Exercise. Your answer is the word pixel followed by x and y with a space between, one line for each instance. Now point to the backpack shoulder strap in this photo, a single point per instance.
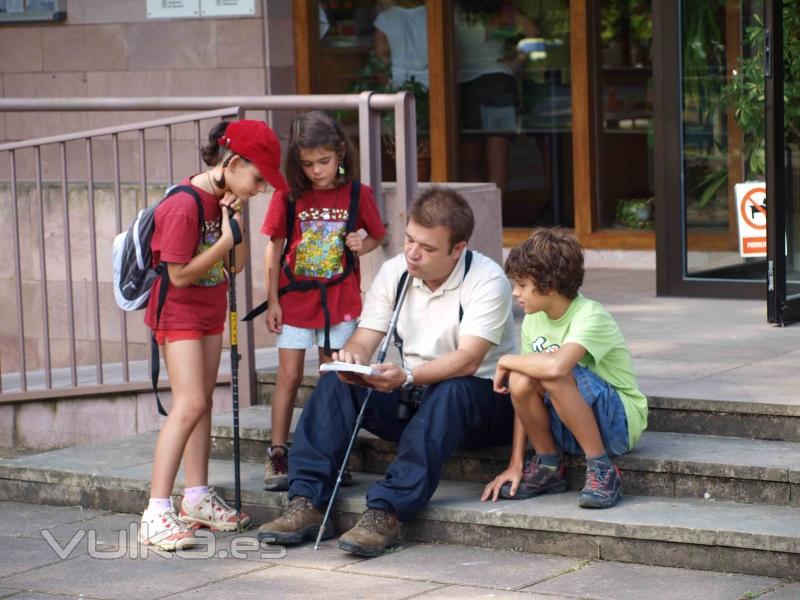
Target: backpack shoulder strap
pixel 352 211
pixel 467 265
pixel 161 269
pixel 290 209
pixel 187 189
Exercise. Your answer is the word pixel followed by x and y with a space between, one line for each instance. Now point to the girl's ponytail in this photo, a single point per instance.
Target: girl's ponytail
pixel 212 152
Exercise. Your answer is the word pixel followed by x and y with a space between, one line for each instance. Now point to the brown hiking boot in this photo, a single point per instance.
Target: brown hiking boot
pixel 299 521
pixel 375 531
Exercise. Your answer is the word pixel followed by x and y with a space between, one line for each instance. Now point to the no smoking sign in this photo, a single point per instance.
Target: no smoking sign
pixel 751 201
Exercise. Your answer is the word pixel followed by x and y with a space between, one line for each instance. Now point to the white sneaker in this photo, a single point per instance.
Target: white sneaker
pixel 165 531
pixel 211 511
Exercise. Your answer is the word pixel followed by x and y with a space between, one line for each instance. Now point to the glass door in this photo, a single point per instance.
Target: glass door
pixel 783 159
pixel 710 167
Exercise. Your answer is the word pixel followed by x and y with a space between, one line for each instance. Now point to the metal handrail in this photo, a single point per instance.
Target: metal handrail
pixel 367 104
pixel 82 135
pixel 194 103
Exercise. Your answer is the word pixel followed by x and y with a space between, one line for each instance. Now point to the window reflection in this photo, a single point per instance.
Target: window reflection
pixel 514 105
pixel 719 39
pixel 626 140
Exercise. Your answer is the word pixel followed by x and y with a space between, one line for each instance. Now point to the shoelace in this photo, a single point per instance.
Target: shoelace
pixel 295 505
pixel 596 476
pixel 217 502
pixel 171 521
pixel 374 520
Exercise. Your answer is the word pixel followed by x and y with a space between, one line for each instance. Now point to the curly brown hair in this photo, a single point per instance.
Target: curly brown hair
pixel 551 258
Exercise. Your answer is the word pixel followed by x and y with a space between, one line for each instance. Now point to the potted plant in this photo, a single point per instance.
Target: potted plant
pixel 635 213
pixel 744 94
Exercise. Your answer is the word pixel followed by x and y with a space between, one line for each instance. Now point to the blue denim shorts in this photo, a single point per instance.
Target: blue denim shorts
pixel 608 410
pixel 300 338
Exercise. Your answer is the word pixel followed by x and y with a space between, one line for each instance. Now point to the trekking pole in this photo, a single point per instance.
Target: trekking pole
pixel 234 331
pixel 381 357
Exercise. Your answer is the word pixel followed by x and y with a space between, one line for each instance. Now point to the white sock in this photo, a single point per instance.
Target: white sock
pixel 193 495
pixel 159 505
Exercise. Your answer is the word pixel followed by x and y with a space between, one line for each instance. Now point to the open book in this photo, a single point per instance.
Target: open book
pixel 348 368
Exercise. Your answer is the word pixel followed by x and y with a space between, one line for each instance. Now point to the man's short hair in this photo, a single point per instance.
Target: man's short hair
pixel 551 258
pixel 442 206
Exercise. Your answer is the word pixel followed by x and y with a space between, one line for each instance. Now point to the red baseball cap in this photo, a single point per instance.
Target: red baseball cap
pixel 255 141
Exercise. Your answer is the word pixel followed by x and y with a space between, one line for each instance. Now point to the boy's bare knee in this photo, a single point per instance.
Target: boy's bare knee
pixel 555 387
pixel 523 386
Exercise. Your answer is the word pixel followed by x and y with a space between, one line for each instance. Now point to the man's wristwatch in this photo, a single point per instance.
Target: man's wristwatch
pixel 409 377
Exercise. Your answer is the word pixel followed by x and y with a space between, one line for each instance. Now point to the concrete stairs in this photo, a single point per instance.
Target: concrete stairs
pixel 712 485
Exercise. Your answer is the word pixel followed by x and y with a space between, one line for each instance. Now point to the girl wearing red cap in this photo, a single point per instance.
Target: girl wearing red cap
pixel 320 167
pixel 242 156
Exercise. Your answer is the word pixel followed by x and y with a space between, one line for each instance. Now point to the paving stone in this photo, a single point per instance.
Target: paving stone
pixel 21 555
pixel 621 581
pixel 38 596
pixel 787 592
pixel 127 578
pixel 109 531
pixel 457 592
pixel 327 557
pixel 292 582
pixel 465 566
pixel 17 518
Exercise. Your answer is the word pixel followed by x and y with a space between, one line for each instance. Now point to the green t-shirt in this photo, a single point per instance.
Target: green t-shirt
pixel 587 323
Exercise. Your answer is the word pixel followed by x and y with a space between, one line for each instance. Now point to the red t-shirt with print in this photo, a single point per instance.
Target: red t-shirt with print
pixel 203 304
pixel 317 251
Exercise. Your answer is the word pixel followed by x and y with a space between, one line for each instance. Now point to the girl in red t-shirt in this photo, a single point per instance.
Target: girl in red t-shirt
pixel 320 167
pixel 243 156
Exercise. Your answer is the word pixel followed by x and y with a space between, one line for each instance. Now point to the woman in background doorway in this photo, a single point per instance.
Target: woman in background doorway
pixel 486 35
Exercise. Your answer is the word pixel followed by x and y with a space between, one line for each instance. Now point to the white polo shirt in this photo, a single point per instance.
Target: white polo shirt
pixel 429 322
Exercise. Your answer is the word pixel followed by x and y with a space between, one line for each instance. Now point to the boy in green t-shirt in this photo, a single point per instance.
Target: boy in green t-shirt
pixel 573 386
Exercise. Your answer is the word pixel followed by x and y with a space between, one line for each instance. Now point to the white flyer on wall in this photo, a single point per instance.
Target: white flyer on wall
pixel 172 9
pixel 227 8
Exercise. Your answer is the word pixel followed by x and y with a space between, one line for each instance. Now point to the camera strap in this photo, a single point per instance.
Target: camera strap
pixel 398 341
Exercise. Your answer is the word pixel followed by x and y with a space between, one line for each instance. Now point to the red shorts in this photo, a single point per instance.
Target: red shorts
pixel 174 335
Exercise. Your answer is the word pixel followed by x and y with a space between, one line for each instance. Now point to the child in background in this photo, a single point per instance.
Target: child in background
pixel 320 168
pixel 573 387
pixel 243 156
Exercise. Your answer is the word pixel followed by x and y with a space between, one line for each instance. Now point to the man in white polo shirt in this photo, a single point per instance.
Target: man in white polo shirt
pixel 454 325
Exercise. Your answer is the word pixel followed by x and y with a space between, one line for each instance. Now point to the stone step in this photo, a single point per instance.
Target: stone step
pixel 662 464
pixel 676 532
pixel 764 420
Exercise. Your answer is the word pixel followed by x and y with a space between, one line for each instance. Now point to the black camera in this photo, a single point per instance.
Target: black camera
pixel 410 399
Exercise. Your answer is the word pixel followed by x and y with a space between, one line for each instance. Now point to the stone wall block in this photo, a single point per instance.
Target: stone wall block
pixel 283 80
pixel 7 426
pixel 46 425
pixel 280 33
pixel 129 83
pixel 226 82
pixel 240 43
pixel 66 49
pixel 21 49
pixel 158 45
pixel 280 9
